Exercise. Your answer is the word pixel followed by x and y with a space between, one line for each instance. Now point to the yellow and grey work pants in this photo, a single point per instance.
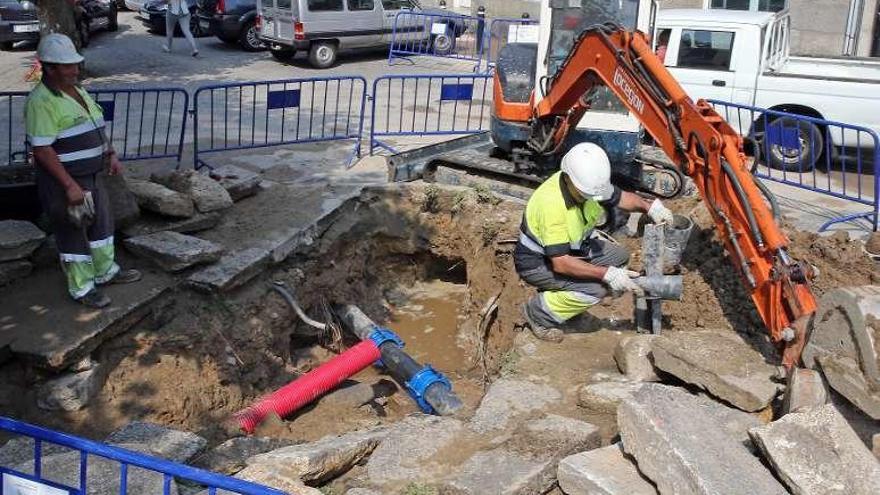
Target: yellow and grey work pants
pixel 87 253
pixel 561 298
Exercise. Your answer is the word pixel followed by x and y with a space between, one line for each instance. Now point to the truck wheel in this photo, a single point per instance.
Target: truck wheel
pixel 249 38
pixel 283 54
pixel 443 44
pixel 322 54
pixel 800 159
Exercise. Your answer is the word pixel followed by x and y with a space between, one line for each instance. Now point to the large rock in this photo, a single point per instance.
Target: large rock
pixel 499 472
pixel 18 239
pixel 556 436
pixel 231 456
pixel 102 474
pixel 604 397
pixel 160 441
pixel 721 363
pixel 206 193
pixel 605 471
pixel 123 204
pixel 159 199
pixel 150 224
pixel 507 399
pixel 406 453
pixel 875 445
pixel 231 271
pixel 322 460
pixel 238 182
pixel 816 452
pixel 10 271
pixel 70 392
pixel 685 451
pixel 174 252
pixel 634 358
pixel 266 475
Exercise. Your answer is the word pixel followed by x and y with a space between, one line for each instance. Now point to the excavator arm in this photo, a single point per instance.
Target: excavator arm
pixel 703 146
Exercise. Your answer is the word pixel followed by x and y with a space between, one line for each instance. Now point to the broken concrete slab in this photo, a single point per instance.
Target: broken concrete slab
pixel 159 440
pixel 207 194
pixel 10 271
pixel 150 224
pixel 562 434
pixel 684 451
pixel 406 453
pixel 817 452
pixel 174 252
pixel 500 472
pixel 159 199
pixel 605 397
pixel 875 445
pixel 18 239
pixel 507 399
pixel 70 392
pixel 720 362
pixel 123 203
pixel 324 459
pixel 362 491
pixel 231 456
pixel 634 359
pixel 238 182
pixel 845 376
pixel 231 271
pixel 605 471
pixel 266 475
pixel 358 394
pixel 804 389
pixel 20 450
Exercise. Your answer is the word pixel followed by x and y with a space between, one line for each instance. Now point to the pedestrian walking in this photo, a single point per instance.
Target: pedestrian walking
pixel 178 13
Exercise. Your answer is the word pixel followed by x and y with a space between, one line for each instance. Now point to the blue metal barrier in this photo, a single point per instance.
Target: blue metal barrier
pixel 12 133
pixel 125 458
pixel 426 105
pixel 260 114
pixel 832 158
pixel 443 35
pixel 503 31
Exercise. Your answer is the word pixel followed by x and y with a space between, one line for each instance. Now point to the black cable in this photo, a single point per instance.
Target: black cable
pixel 747 206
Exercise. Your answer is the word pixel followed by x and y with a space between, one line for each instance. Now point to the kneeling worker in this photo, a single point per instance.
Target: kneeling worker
pixel 556 252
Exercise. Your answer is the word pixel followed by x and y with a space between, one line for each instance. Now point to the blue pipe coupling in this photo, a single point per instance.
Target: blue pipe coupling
pixel 381 335
pixel 418 386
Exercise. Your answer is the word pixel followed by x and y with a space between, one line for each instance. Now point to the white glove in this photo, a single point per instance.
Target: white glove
pixel 660 214
pixel 621 279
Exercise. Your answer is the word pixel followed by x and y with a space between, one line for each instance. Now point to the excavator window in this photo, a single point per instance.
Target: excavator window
pixel 705 49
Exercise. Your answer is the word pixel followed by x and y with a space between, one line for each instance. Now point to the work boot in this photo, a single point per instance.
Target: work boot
pixel 125 277
pixel 94 299
pixel 541 332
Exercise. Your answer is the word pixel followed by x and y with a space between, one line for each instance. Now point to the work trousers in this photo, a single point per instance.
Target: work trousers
pixel 561 298
pixel 87 253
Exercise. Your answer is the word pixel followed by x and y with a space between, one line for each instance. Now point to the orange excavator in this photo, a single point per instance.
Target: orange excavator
pixel 698 141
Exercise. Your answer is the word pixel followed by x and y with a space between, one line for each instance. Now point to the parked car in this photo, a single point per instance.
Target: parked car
pixel 233 21
pixel 152 14
pixel 744 58
pixel 94 15
pixel 134 5
pixel 18 22
pixel 324 27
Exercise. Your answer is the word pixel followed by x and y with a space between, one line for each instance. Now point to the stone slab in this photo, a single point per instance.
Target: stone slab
pixel 233 270
pixel 605 471
pixel 685 452
pixel 10 271
pixel 207 194
pixel 48 329
pixel 123 203
pixel 817 452
pixel 634 358
pixel 238 182
pixel 150 224
pixel 875 445
pixel 18 239
pixel 159 440
pixel 20 450
pixel 173 251
pixel 500 472
pixel 605 397
pixel 272 479
pixel 231 456
pixel 507 399
pixel 721 363
pixel 845 376
pixel 70 392
pixel 159 199
pixel 406 453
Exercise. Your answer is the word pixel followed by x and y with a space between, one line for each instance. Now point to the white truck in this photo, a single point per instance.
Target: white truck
pixel 743 58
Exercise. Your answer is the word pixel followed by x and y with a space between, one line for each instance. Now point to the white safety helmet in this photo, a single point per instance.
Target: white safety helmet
pixel 589 170
pixel 56 48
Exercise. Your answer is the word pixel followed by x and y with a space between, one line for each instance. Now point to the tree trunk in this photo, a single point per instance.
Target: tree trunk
pixel 57 16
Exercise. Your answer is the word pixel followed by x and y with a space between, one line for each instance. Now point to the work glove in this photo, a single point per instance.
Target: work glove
pixel 621 280
pixel 83 214
pixel 660 214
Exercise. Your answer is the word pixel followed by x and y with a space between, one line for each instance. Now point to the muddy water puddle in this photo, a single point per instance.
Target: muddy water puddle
pixel 426 316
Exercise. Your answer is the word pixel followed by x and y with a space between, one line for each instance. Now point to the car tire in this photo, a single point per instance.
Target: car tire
pixel 249 39
pixel 113 18
pixel 803 159
pixel 443 44
pixel 283 54
pixel 322 54
pixel 7 45
pixel 83 30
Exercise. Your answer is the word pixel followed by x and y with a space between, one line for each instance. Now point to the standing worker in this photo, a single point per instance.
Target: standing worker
pixel 178 13
pixel 557 252
pixel 65 129
pixel 481 26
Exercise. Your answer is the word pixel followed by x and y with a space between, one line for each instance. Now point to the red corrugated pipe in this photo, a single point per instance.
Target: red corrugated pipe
pixel 310 386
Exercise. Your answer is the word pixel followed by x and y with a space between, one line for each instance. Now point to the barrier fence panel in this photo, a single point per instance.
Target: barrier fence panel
pixel 145 123
pixel 504 31
pixel 74 477
pixel 833 158
pixel 442 35
pixel 271 113
pixel 12 132
pixel 425 105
